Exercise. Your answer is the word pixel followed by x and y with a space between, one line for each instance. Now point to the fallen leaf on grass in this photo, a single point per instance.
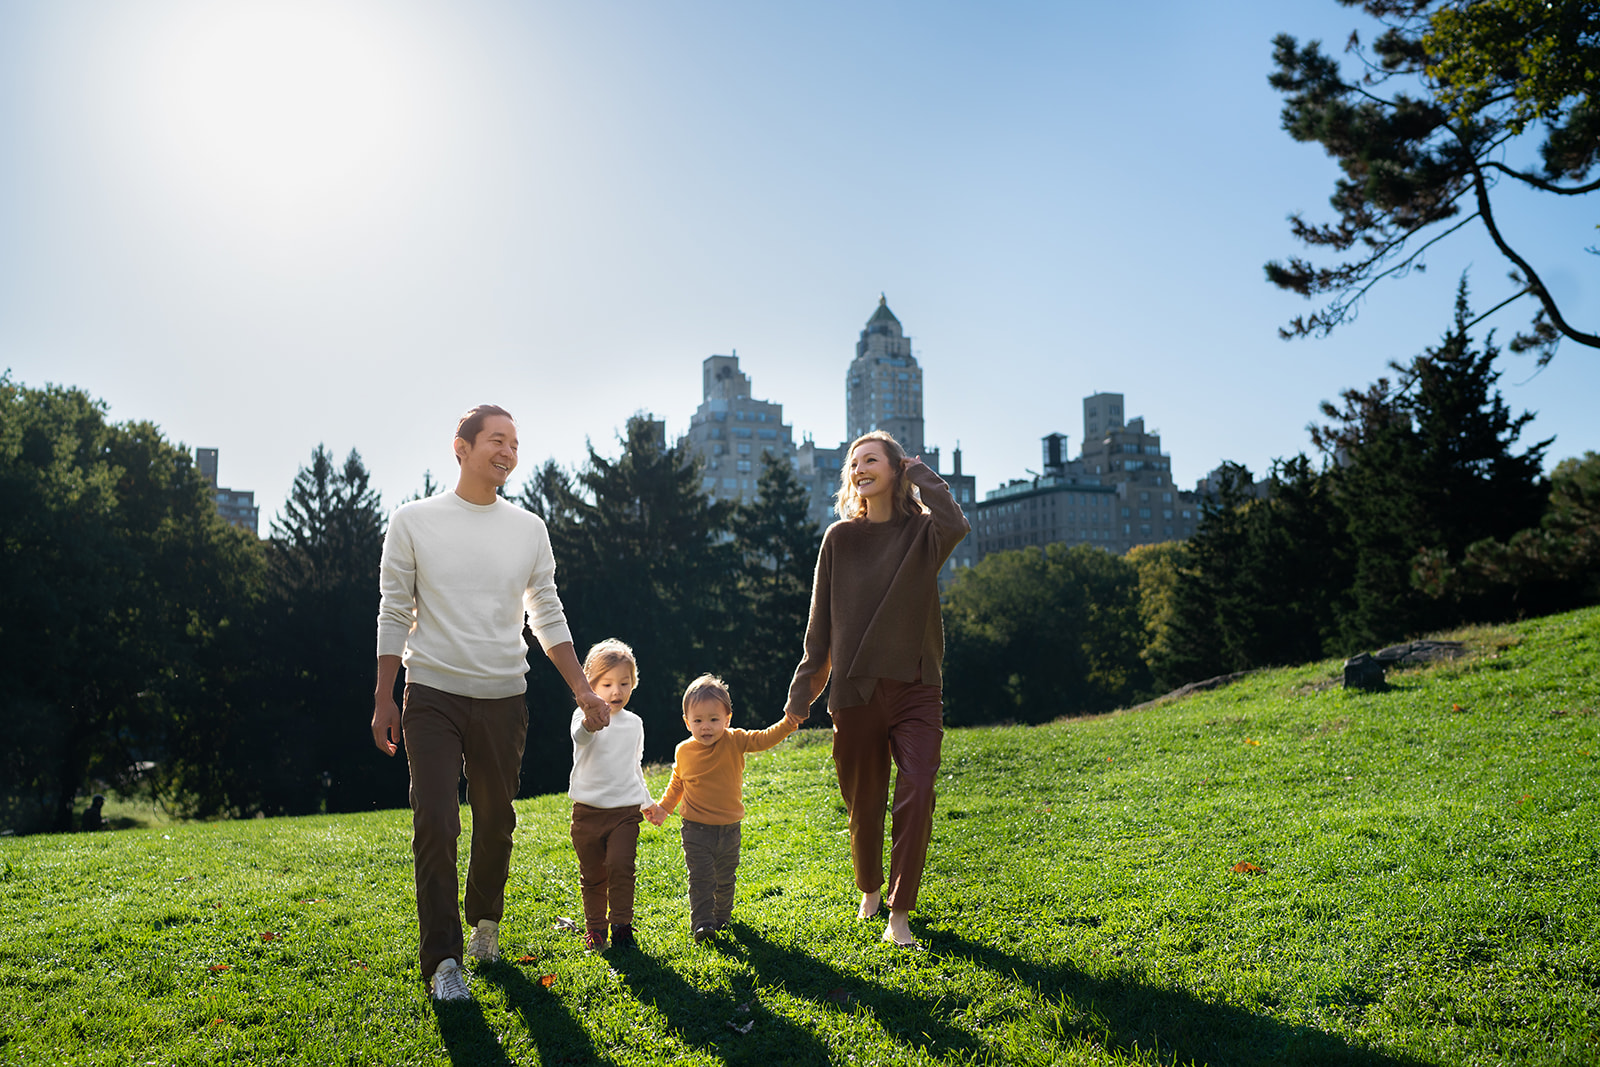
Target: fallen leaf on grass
pixel 313 900
pixel 564 923
pixel 1457 707
pixel 745 1029
pixel 743 1009
pixel 1251 741
pixel 268 935
pixel 1245 868
pixel 215 967
pixel 547 980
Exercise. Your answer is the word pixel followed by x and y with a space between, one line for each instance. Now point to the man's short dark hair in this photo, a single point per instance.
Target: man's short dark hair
pixel 471 423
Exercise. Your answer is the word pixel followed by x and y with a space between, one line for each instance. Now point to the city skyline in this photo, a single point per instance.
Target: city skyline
pixel 269 226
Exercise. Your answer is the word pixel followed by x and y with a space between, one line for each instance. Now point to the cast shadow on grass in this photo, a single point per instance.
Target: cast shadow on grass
pixel 467 1036
pixel 731 1024
pixel 914 1020
pixel 1180 1027
pixel 548 1022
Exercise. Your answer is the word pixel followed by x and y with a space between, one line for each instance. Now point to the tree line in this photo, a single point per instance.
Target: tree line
pixel 156 649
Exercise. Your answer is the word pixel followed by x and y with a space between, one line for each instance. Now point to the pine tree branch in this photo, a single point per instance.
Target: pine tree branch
pixel 1539 183
pixel 1481 187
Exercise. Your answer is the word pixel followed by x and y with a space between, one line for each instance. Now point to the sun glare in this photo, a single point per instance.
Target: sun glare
pixel 282 114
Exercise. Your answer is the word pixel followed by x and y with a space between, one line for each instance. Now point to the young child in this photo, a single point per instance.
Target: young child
pixel 708 777
pixel 609 797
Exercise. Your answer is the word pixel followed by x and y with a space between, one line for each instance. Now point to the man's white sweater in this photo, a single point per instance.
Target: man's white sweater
pixel 455 581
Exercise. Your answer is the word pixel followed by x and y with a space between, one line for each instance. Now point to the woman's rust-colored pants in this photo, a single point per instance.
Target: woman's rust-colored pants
pixel 902 724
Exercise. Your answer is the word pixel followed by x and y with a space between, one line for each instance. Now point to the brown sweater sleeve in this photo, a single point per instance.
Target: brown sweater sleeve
pixel 950 523
pixel 811 676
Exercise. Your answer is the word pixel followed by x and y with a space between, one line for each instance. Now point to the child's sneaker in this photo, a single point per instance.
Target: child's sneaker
pixel 704 933
pixel 622 936
pixel 595 940
pixel 448 983
pixel 485 942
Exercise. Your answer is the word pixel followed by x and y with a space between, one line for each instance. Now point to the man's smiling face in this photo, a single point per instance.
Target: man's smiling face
pixel 492 456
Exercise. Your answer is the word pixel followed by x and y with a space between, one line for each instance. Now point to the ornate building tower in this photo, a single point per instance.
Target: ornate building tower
pixel 883 387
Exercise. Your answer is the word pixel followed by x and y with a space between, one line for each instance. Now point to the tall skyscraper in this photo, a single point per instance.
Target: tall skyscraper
pixel 883 387
pixel 236 506
pixel 730 430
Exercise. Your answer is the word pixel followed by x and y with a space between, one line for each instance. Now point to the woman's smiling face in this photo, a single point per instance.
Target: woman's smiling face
pixel 870 471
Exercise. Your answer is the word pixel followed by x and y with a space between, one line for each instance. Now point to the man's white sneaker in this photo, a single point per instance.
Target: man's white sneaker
pixel 449 983
pixel 485 941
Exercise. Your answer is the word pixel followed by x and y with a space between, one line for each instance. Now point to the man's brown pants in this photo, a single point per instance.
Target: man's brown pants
pixel 445 733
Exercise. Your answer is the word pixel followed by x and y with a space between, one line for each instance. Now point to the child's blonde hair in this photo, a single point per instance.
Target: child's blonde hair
pixel 707 687
pixel 848 501
pixel 606 655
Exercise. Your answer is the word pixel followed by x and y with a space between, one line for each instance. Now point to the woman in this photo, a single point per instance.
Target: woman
pixel 875 628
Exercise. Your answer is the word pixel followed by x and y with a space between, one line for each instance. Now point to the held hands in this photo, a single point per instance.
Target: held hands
pixel 796 717
pixel 654 812
pixel 596 712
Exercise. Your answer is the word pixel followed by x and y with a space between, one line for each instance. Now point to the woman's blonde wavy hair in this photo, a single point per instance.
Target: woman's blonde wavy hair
pixel 903 496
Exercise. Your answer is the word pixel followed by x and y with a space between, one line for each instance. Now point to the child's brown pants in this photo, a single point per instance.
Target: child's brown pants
pixel 607 843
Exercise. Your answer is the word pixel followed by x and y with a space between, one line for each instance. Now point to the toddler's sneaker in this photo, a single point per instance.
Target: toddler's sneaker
pixel 485 942
pixel 622 936
pixel 595 940
pixel 704 933
pixel 448 982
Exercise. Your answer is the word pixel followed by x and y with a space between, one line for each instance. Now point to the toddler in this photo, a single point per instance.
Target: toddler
pixel 708 777
pixel 609 797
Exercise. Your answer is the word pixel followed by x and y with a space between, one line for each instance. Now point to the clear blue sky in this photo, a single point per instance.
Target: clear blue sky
pixel 268 225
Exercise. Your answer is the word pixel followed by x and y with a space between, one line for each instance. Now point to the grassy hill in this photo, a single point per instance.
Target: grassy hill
pixel 1275 872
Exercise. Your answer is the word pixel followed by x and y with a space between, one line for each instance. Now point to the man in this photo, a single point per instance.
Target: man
pixel 459 572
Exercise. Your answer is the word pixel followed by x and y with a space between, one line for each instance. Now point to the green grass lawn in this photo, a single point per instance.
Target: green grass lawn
pixel 1276 872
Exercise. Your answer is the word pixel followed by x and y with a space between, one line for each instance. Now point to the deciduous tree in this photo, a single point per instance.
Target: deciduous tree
pixel 1035 633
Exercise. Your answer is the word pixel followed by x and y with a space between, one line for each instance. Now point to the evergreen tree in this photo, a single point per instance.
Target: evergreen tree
pixel 322 610
pixel 643 555
pixel 1207 600
pixel 1428 464
pixel 1295 570
pixel 777 548
pixel 1552 567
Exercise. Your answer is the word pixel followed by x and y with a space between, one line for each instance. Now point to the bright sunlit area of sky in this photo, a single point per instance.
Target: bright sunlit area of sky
pixel 269 224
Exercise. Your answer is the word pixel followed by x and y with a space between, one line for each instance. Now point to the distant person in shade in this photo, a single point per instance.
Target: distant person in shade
pixel 460 571
pixel 875 629
pixel 94 815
